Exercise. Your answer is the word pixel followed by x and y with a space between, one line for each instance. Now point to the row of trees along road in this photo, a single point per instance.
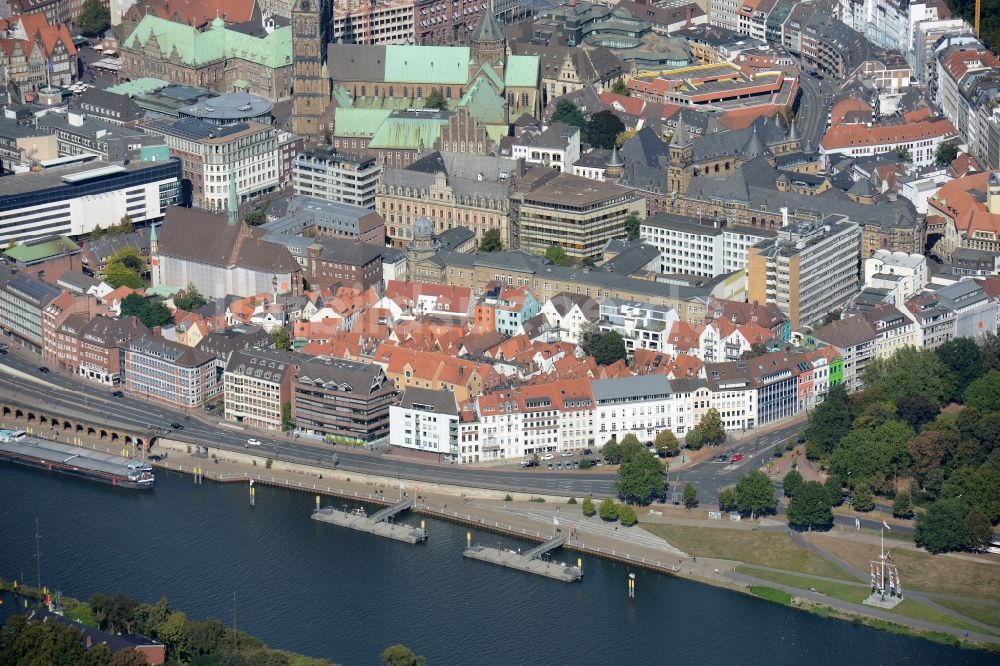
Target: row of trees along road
pixel 924 433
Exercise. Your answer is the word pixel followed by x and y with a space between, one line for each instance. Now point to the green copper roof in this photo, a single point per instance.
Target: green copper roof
pixel 521 71
pixel 483 102
pixel 36 251
pixel 342 96
pixel 408 133
pixel 195 48
pixel 358 122
pixel 497 132
pixel 445 65
pixel 136 87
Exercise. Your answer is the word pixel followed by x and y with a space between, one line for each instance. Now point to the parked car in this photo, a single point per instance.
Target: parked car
pixel 253 442
pixel 211 408
pixel 155 458
pixel 586 452
pixel 567 454
pixel 548 456
pixel 549 466
pixel 527 462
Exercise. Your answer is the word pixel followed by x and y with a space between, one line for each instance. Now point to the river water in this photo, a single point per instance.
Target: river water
pixel 329 592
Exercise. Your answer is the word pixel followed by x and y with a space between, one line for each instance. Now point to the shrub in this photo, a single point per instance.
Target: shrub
pixel 572 500
pixel 626 515
pixel 268 463
pixel 536 499
pixel 609 510
pixel 508 498
pixel 588 507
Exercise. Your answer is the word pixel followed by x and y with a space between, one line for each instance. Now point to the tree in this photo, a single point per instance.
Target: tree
pixel 756 349
pixel 727 499
pixel 568 113
pixel 904 155
pixel 603 128
pixel 117 274
pixel 978 487
pixel 834 489
pixel 590 337
pixel 132 305
pixel 755 493
pixel 867 453
pixel 631 447
pixel 977 530
pixel 927 451
pixel 942 527
pixel 666 443
pixel 632 222
pixel 154 314
pixel 190 300
pixel 990 349
pixel 708 431
pixel 792 482
pixel 612 452
pixel 436 100
pixel 400 655
pixel 916 410
pixel 556 255
pixel 984 393
pixel 946 153
pixel 640 479
pixel 810 507
pixel 94 18
pixel 910 371
pixel 282 340
pixel 626 515
pixel 610 349
pixel 964 359
pixel 620 87
pixel 256 217
pixel 902 506
pixel 131 258
pixel 588 507
pixel 828 423
pixel 624 136
pixel 862 497
pixel 128 658
pixel 608 510
pixel 690 496
pixel 491 241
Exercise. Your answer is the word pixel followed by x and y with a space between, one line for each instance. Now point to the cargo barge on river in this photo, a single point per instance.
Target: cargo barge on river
pixel 17 447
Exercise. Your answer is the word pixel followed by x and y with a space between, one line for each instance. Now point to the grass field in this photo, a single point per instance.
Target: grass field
pixel 979 612
pixel 772 549
pixel 843 591
pixel 855 594
pixel 772 594
pixel 922 571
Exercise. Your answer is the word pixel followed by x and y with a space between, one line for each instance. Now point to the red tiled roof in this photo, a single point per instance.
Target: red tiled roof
pixel 847 136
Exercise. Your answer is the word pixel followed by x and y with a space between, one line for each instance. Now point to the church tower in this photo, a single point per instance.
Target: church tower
pixel 488 43
pixel 311 95
pixel 679 168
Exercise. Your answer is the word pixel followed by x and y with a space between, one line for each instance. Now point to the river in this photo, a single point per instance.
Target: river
pixel 329 592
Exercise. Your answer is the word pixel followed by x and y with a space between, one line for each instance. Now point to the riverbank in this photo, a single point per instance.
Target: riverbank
pixel 530 517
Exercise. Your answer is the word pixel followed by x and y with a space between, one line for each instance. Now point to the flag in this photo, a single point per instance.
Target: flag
pixel 555 521
pixel 874 578
pixel 886 525
pixel 857 523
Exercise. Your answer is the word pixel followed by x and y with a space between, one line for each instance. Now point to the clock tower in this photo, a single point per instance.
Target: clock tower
pixel 311 93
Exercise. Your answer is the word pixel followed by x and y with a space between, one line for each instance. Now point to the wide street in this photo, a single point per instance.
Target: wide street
pixel 813 110
pixel 72 397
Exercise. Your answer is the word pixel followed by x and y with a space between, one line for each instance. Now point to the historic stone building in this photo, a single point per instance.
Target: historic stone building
pixel 310 78
pixel 219 58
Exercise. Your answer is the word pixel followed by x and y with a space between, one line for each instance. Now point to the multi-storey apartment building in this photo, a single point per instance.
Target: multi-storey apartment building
pixel 642 406
pixel 425 423
pixel 170 373
pixel 342 400
pixel 257 385
pixel 366 22
pixel 22 301
pixel 214 158
pixel 807 270
pixel 325 173
pixel 641 325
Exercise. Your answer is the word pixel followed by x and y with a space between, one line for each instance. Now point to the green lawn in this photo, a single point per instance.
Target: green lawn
pixel 766 548
pixel 852 593
pixel 857 594
pixel 986 614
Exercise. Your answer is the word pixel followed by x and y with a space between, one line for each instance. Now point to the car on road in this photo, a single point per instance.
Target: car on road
pixel 42 369
pixel 722 458
pixel 117 394
pixel 2 351
pixel 253 442
pixel 177 426
pixel 548 456
pixel 155 458
pixel 737 457
pixel 211 408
